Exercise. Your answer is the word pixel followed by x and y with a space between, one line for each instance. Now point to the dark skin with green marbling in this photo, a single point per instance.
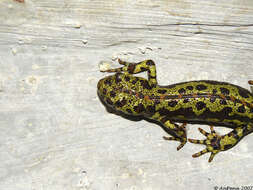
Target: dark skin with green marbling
pixel 204 102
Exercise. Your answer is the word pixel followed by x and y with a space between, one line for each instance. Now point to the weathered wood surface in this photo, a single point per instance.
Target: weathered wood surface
pixel 54 132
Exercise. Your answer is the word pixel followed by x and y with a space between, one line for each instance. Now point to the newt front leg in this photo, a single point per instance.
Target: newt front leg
pixel 134 68
pixel 178 132
pixel 180 135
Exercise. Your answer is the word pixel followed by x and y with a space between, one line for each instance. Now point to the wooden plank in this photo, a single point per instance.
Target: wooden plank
pixel 55 133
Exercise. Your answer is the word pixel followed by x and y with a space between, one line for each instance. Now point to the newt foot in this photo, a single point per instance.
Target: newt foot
pixel 212 143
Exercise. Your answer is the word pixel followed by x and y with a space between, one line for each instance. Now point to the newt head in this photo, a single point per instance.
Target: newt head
pixel 110 89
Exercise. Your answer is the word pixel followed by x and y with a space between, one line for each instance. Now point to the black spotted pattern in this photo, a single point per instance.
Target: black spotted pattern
pixel 118 77
pixel 141 95
pixel 161 91
pixel 172 103
pixel 138 109
pixel 145 84
pixel 200 105
pixel 223 102
pixel 112 94
pixel 186 100
pixel 150 62
pixel 201 87
pixel 227 111
pixel 108 82
pixel 181 91
pixel 134 81
pixel 241 109
pixel 121 103
pixel 243 93
pixel 129 110
pixel 143 69
pixel 156 99
pixel 150 109
pixel 127 78
pixel 212 99
pixel 224 91
pixel 189 87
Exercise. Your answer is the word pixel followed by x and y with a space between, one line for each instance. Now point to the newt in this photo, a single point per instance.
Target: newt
pixel 197 102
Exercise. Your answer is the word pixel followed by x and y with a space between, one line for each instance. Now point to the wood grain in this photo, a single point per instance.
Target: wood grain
pixel 55 133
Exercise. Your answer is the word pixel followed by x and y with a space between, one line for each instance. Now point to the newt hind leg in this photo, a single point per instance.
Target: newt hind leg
pixel 216 143
pixel 212 143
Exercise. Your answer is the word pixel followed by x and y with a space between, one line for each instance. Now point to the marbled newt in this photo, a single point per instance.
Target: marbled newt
pixel 202 102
